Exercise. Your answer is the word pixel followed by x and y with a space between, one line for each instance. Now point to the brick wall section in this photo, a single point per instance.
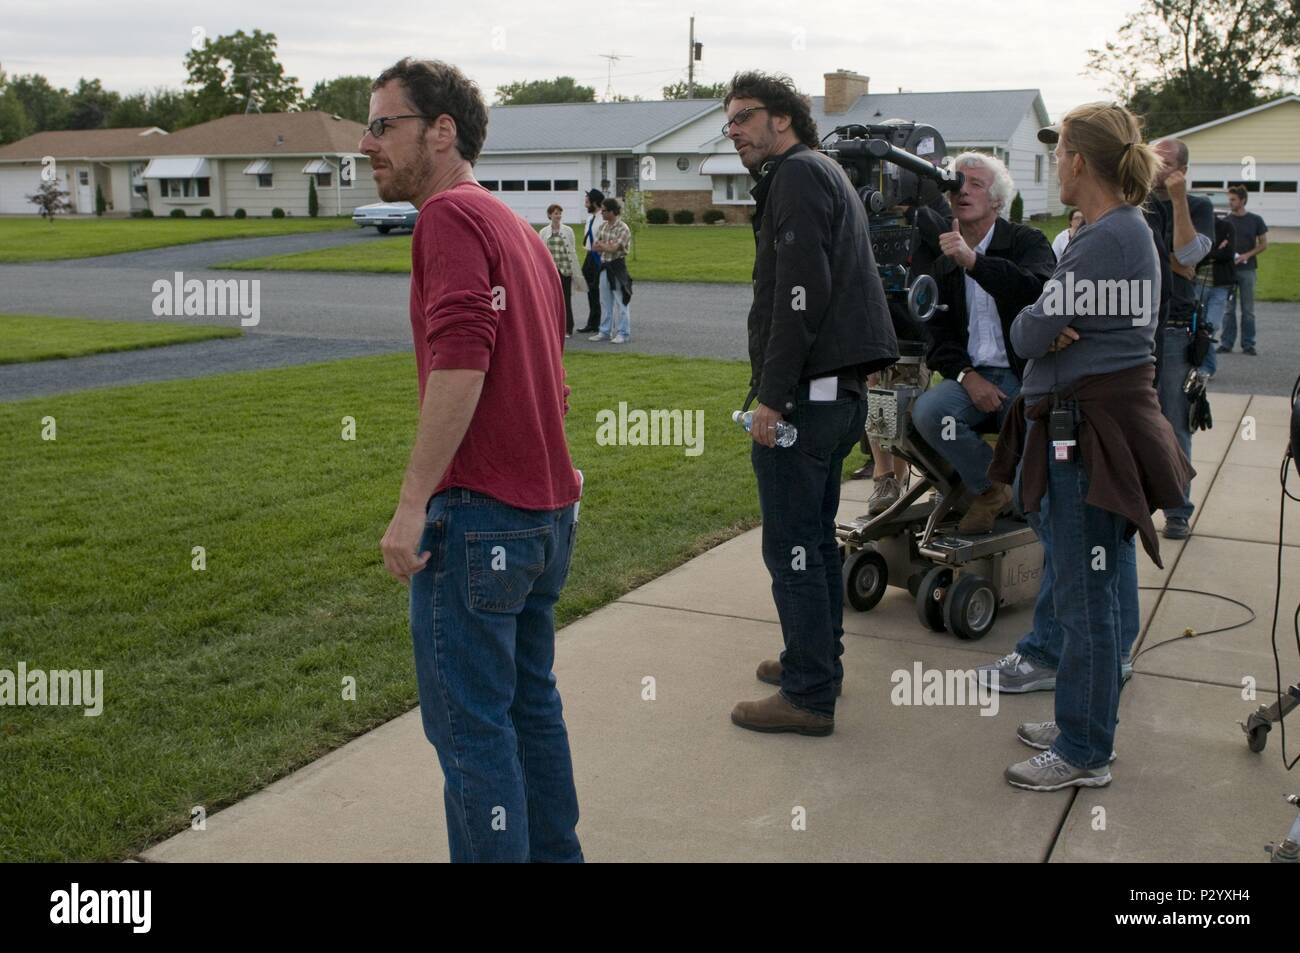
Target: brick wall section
pixel 698 201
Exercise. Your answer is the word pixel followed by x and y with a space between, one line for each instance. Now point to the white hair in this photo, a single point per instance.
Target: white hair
pixel 1002 188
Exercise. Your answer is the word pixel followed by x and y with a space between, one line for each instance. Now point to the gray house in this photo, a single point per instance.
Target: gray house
pixel 675 150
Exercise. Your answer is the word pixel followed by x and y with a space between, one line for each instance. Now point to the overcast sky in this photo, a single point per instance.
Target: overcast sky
pixel 132 44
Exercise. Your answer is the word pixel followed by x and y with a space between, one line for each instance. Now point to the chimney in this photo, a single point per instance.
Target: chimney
pixel 843 87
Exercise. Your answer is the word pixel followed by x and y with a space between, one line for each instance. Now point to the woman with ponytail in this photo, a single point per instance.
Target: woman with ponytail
pixel 1095 455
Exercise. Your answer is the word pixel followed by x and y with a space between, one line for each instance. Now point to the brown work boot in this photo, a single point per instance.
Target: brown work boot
pixel 769 670
pixel 774 714
pixel 986 508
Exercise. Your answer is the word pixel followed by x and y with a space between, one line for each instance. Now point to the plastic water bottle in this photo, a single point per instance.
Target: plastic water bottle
pixel 786 434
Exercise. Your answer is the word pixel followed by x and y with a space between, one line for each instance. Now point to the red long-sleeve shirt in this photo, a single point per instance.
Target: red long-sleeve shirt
pixel 485 296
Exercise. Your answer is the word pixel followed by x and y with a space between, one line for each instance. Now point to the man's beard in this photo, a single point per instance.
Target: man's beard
pixel 406 182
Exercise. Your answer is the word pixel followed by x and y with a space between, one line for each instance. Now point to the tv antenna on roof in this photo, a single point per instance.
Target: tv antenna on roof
pixel 251 101
pixel 609 81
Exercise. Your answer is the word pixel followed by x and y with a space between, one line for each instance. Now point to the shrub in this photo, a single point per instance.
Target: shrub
pixel 713 215
pixel 100 204
pixel 240 213
pixel 207 213
pixel 277 212
pixel 684 216
pixel 177 213
pixel 657 216
pixel 142 213
pixel 1017 209
pixel 313 203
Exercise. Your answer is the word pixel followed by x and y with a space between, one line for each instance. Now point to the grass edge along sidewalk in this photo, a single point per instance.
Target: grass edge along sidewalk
pixel 217 681
pixel 34 239
pixel 26 338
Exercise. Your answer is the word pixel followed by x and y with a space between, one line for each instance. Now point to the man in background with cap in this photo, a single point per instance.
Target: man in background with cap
pixel 591 263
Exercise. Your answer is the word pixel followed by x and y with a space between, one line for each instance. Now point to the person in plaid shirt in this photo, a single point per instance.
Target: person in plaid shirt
pixel 564 252
pixel 612 242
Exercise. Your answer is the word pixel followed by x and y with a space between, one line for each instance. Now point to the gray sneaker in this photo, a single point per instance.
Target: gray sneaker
pixel 1042 735
pixel 1049 772
pixel 1016 674
pixel 884 496
pixel 1125 670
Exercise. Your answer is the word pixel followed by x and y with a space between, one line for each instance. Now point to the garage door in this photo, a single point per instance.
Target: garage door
pixel 15 186
pixel 529 187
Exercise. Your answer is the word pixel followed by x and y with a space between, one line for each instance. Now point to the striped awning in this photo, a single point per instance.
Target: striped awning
pixel 258 167
pixel 178 167
pixel 723 164
pixel 317 166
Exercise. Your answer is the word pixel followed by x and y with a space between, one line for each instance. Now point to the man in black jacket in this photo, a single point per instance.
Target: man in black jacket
pixel 988 269
pixel 819 324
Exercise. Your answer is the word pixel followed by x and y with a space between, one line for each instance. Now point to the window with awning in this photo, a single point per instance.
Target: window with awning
pixel 178 167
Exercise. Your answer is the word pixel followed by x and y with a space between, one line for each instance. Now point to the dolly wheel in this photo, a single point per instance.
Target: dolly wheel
pixel 930 597
pixel 1256 734
pixel 971 607
pixel 866 576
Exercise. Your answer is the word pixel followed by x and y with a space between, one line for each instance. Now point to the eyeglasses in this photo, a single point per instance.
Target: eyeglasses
pixel 377 126
pixel 740 118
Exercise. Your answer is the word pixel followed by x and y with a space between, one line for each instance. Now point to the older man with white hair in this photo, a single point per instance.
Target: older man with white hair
pixel 988 269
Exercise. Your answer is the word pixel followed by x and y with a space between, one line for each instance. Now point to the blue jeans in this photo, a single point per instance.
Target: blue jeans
pixel 1173 402
pixel 612 305
pixel 1042 645
pixel 799 495
pixel 965 449
pixel 1087 565
pixel 483 629
pixel 1245 294
pixel 1216 301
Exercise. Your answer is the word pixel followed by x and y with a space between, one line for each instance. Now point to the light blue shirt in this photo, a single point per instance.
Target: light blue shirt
pixel 983 324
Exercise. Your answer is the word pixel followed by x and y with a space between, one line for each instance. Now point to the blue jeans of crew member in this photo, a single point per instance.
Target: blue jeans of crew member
pixel 1087 564
pixel 1244 294
pixel 1173 402
pixel 483 629
pixel 965 449
pixel 799 495
pixel 614 311
pixel 1042 645
pixel 1216 302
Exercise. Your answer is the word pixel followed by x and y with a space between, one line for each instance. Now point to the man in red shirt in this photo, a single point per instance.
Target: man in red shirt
pixel 487 513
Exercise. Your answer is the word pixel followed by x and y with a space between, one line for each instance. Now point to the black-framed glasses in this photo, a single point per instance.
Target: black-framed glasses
pixel 740 118
pixel 379 124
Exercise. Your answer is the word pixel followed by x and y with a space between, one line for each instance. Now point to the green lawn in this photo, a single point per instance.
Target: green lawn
pixel 35 239
pixel 28 337
pixel 217 682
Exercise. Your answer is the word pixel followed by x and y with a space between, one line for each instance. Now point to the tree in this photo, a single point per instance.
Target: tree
pixel 100 204
pixel 347 96
pixel 1184 62
pixel 702 91
pixel 165 108
pixel 227 72
pixel 13 119
pixel 51 200
pixel 562 89
pixel 45 107
pixel 89 105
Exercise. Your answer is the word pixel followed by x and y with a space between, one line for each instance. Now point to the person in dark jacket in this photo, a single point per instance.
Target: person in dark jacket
pixel 593 200
pixel 1222 280
pixel 987 269
pixel 819 324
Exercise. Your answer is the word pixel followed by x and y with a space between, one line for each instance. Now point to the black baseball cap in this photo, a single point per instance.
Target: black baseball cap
pixel 596 196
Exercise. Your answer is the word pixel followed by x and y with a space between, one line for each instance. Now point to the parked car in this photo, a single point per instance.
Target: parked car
pixel 386 216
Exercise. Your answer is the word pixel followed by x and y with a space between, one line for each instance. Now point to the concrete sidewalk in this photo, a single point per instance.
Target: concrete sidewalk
pixel 673 780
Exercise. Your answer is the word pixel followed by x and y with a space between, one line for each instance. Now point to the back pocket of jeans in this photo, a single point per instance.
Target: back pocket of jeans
pixel 503 567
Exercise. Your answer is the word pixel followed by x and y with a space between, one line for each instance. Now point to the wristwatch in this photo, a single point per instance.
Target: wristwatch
pixel 963 372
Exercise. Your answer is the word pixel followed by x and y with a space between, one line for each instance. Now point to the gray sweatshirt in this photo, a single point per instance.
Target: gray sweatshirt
pixel 1107 288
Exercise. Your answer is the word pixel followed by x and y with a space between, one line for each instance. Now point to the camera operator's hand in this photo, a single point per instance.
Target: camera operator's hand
pixel 762 426
pixel 984 394
pixel 1176 185
pixel 955 247
pixel 1063 340
pixel 1178 268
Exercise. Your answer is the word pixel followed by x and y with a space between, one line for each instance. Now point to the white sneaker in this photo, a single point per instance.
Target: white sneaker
pixel 621 339
pixel 599 337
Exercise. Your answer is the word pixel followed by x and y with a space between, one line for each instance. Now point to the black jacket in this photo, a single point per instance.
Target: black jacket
pixel 819 306
pixel 1220 259
pixel 1012 270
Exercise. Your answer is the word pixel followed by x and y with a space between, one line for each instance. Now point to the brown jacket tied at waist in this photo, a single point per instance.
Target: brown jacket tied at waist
pixel 1127 447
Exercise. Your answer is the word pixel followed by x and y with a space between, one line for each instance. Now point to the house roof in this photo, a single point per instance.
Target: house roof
pixel 966 117
pixel 85 143
pixel 587 127
pixel 1237 115
pixel 253 134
